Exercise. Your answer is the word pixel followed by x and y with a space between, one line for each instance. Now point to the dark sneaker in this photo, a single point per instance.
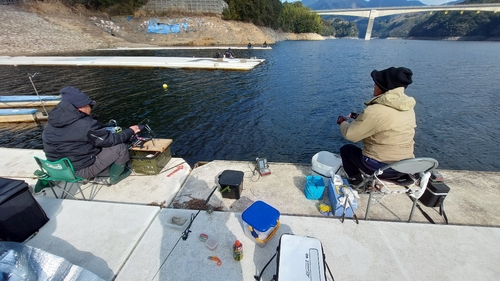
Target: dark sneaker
pixel 356 180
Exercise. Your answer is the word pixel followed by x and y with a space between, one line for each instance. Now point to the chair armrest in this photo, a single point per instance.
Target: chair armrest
pixel 40 174
pixel 424 180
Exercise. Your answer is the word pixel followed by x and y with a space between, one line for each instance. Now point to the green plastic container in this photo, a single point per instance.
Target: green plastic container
pixel 150 163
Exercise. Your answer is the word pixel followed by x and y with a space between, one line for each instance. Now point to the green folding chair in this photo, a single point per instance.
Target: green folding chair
pixel 54 173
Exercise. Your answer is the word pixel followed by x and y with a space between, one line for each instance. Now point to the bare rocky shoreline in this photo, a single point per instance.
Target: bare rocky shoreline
pixel 48 28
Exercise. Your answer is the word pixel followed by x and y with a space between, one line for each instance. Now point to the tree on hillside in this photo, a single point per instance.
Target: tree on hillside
pixel 113 7
pixel 458 24
pixel 258 12
pixel 339 27
pixel 398 25
pixel 299 19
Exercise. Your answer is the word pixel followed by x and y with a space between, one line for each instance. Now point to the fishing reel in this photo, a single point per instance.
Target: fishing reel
pixel 144 135
pixel 113 126
pixel 137 140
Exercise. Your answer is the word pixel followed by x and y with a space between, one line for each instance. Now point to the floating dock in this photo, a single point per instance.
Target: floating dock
pixel 187 48
pixel 26 108
pixel 28 101
pixel 149 62
pixel 19 115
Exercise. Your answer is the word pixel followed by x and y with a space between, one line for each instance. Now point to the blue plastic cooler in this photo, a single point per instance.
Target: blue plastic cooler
pixel 334 195
pixel 261 221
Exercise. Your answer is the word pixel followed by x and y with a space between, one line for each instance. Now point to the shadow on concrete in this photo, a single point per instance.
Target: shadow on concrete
pixel 46 240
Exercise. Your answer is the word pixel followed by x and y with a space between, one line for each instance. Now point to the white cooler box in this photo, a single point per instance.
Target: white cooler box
pixel 323 162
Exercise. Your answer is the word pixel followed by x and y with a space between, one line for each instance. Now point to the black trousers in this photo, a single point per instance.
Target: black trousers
pixel 353 160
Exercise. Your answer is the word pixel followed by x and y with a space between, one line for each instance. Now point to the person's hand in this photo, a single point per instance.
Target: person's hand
pixel 341 119
pixel 353 115
pixel 135 128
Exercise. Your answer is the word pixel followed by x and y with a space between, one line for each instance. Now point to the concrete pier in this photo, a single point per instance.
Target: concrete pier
pixel 125 233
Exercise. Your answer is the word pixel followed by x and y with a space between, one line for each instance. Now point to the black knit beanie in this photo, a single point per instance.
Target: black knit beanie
pixel 392 78
pixel 76 97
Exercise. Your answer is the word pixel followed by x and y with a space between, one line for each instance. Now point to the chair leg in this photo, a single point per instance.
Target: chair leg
pixel 52 184
pixel 95 186
pixel 368 205
pixel 81 191
pixel 413 207
pixel 66 192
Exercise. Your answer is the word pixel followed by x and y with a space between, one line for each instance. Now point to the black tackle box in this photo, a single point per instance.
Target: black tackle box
pixel 435 194
pixel 231 184
pixel 20 213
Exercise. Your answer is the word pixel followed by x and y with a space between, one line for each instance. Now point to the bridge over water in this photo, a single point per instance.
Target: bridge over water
pixel 372 13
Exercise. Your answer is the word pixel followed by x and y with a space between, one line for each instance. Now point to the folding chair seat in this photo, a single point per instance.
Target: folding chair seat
pixel 416 173
pixel 54 173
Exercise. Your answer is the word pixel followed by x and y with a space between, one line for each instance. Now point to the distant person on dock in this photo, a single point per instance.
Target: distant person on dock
pixel 265 44
pixel 229 54
pixel 72 133
pixel 386 127
pixel 249 45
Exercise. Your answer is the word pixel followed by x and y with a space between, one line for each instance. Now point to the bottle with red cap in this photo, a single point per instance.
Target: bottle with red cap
pixel 237 250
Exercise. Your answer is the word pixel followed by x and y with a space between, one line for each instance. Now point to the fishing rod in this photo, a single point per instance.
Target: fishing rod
pixel 185 234
pixel 43 105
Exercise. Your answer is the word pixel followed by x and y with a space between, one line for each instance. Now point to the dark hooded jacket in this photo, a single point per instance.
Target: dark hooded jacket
pixel 77 136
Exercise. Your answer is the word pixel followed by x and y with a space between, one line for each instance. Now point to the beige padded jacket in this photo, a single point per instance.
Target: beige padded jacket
pixel 386 127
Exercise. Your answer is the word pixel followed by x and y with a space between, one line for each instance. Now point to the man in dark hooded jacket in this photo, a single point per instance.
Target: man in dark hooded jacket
pixel 72 133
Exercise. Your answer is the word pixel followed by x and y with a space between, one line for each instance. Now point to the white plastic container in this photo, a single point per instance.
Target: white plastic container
pixel 323 162
pixel 211 244
pixel 178 219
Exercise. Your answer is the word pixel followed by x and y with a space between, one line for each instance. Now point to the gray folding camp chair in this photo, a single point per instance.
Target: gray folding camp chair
pixel 416 173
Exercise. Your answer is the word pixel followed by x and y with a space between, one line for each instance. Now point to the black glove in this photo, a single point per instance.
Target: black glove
pixel 341 119
pixel 353 115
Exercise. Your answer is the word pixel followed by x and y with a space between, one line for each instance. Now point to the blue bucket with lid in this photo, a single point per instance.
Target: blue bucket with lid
pixel 261 221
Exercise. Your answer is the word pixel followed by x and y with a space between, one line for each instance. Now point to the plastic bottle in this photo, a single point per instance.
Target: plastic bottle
pixel 238 250
pixel 337 180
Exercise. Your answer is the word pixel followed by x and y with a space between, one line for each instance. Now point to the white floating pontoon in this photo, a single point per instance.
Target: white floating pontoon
pixel 160 62
pixel 27 101
pixel 15 115
pixel 187 48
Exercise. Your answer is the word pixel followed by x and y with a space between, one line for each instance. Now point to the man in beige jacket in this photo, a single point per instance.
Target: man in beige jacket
pixel 386 127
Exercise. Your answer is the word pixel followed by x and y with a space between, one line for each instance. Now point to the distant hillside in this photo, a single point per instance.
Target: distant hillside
pixel 393 3
pixel 336 4
pixel 346 4
pixel 462 25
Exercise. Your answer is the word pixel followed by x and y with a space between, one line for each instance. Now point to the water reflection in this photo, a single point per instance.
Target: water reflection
pixel 285 109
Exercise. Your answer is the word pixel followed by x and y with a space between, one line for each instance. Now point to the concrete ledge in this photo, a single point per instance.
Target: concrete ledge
pixel 157 189
pixel 472 200
pixel 96 236
pixel 368 251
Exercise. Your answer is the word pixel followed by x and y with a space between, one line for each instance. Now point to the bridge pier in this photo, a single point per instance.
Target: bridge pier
pixel 369 28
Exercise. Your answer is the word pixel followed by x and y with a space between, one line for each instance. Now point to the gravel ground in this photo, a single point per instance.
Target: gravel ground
pixel 52 28
pixel 22 32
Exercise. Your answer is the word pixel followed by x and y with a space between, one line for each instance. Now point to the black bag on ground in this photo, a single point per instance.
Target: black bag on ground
pixel 300 258
pixel 20 214
pixel 434 196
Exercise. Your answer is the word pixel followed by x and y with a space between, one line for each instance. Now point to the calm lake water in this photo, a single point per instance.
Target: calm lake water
pixel 286 108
